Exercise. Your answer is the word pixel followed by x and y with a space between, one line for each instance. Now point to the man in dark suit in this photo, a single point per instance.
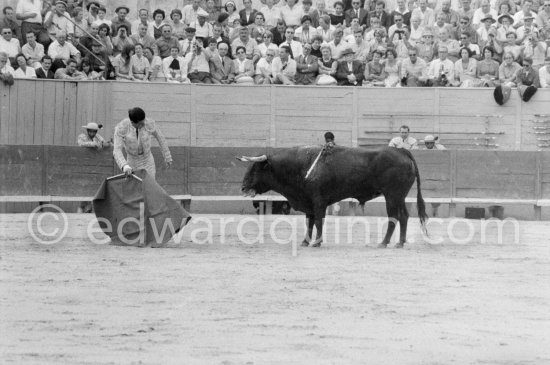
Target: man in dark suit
pixel 380 13
pixel 349 71
pixel 279 33
pixel 45 72
pixel 248 14
pixel 356 12
pixel 222 69
pixel 403 11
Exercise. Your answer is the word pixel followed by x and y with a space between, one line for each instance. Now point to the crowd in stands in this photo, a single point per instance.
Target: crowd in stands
pixel 479 43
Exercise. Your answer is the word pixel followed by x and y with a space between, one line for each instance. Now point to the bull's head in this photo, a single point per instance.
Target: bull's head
pixel 258 176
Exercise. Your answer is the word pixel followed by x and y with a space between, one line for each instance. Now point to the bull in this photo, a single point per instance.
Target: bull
pixel 313 177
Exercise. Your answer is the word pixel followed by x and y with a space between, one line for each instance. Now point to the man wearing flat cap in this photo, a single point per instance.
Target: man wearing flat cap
pixel 349 72
pixel 186 45
pixel 120 19
pixel 57 21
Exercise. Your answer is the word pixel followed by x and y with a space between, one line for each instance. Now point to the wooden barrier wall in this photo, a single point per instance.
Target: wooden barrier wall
pixel 75 171
pixel 52 113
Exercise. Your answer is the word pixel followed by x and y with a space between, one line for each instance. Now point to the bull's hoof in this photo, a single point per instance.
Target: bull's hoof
pixel 382 245
pixel 317 244
pixel 305 243
pixel 399 245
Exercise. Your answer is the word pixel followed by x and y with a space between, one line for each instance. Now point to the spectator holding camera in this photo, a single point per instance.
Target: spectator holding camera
pixel 413 69
pixel 121 40
pixel 120 19
pixel 441 69
pixel 57 21
pixel 198 64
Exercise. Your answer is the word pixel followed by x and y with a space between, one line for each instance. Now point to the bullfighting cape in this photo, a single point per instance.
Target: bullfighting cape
pixel 137 210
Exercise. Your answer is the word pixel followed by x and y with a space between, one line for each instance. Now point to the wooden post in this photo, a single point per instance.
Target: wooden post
pixel 452 166
pixel 538 184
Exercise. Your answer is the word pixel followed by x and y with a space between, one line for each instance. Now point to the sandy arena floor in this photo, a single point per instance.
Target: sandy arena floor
pixel 77 302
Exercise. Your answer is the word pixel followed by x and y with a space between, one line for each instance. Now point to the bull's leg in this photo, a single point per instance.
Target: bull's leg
pixel 392 210
pixel 310 221
pixel 319 216
pixel 403 221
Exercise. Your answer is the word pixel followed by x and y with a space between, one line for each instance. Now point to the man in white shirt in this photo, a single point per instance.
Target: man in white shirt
pixel 425 13
pixel 175 67
pixel 9 44
pixel 292 13
pixel 57 21
pixel 32 50
pixel 271 14
pixel 61 51
pixel 190 12
pixel 441 70
pixel 403 141
pixel 284 67
pixel 5 67
pixel 525 11
pixel 30 14
pixel 295 46
pixel 203 29
pixel 143 19
pixel 142 36
pixel 483 12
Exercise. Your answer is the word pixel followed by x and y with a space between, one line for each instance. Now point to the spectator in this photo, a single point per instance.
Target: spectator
pixel 544 74
pixel 121 63
pixel 440 25
pixel 143 19
pixel 212 49
pixel 139 64
pixel 360 47
pixel 187 44
pixel 511 47
pixel 178 27
pixel 508 70
pixel 392 69
pixel 61 51
pixel 264 68
pixel 190 12
pixel 432 143
pixel 325 29
pixel 6 71
pixel 232 15
pixel 30 13
pixel 284 67
pixel 100 63
pixel 244 68
pixel 103 33
pixel 80 25
pixel 306 32
pixel 9 45
pixel 44 71
pixel 486 30
pixel 425 13
pixel 337 45
pixel 526 11
pixel 417 31
pixel 306 67
pixel 121 40
pixel 380 14
pixel 441 70
pixel 155 62
pixel 450 16
pixel 354 26
pixel 505 27
pixel 327 68
pixel 57 21
pixel 527 76
pixel 467 12
pixel 271 13
pixel 252 50
pixel 142 36
pixel 356 12
pixel 465 69
pixel 70 72
pixel 166 42
pixel 158 23
pixel 398 26
pixel 23 71
pixel 338 18
pixel 452 44
pixel 120 19
pixel 198 66
pixel 374 70
pixel 175 67
pixel 292 13
pixel 84 45
pixel 427 48
pixel 349 72
pixel 295 46
pixel 9 22
pixel 217 30
pixel 316 46
pixel 535 49
pixel 465 42
pixel 202 27
pixel 101 14
pixel 543 20
pixel 267 45
pixel 404 141
pixel 465 27
pixel 92 8
pixel 312 13
pixel 483 12
pixel 247 15
pixel 212 11
pixel 412 70
pixel 487 69
pixel 222 70
pixel 403 12
pixel 279 33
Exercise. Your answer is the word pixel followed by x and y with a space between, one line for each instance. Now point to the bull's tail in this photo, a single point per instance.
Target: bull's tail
pixel 420 205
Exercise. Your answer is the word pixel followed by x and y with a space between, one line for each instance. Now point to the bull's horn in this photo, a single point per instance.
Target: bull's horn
pixel 253 159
